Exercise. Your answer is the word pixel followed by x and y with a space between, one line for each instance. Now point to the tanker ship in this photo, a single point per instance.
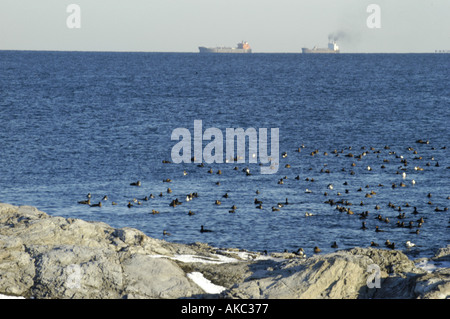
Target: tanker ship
pixel 332 48
pixel 242 47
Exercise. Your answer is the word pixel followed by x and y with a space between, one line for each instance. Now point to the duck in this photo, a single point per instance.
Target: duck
pixel 334 245
pixel 363 225
pixel 85 202
pixel 138 183
pixel 409 244
pixel 97 205
pixel 105 197
pixel 308 214
pixel 191 213
pixel 378 229
pixel 203 230
pixel 165 233
pixel 275 209
pixel 300 252
pixel 317 250
pixel 373 244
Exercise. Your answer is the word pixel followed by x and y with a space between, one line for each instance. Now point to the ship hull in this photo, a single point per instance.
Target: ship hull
pixel 223 50
pixel 307 51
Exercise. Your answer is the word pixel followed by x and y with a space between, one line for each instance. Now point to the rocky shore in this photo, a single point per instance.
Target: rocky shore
pixel 57 258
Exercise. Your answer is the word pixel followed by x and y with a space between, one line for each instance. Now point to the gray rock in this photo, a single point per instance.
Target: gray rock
pixel 53 257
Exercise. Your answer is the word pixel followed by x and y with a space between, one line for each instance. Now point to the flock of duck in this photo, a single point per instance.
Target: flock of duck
pixel 407 217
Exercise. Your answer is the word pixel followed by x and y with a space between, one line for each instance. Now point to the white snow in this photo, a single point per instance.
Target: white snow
pixel 10 297
pixel 430 266
pixel 204 283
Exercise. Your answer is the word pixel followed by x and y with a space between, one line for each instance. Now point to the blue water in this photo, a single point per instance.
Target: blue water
pixel 73 123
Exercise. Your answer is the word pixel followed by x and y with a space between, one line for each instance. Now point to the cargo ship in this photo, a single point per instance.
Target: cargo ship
pixel 242 47
pixel 332 48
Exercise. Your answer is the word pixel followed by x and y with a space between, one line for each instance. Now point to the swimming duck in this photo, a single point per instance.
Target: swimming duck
pixel 85 202
pixel 373 244
pixel 138 183
pixel 317 250
pixel 409 244
pixel 165 233
pixel 203 230
pixel 334 245
pixel 378 229
pixel 97 205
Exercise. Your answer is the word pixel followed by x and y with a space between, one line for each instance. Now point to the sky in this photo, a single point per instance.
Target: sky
pixel 270 26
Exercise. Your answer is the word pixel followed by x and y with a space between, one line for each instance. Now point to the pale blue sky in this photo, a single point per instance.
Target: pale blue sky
pixel 183 25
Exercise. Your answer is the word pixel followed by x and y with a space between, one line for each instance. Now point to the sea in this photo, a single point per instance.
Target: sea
pixel 363 138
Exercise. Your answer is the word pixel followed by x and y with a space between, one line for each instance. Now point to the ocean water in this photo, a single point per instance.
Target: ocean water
pixel 73 123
